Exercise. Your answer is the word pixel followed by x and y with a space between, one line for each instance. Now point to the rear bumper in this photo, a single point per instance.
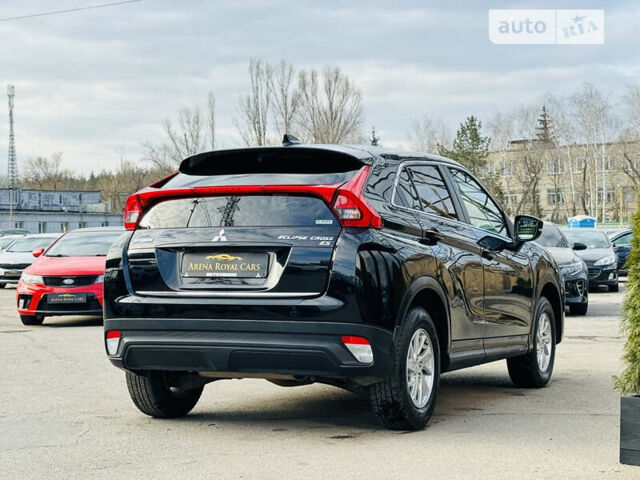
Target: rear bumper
pixel 249 346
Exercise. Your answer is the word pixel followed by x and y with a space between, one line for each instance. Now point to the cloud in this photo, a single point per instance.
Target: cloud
pixel 93 82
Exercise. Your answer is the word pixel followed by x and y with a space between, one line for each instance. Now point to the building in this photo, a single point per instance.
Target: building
pixel 554 182
pixel 53 211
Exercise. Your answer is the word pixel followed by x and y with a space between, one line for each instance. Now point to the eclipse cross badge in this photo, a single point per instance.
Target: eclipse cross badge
pixel 68 281
pixel 220 237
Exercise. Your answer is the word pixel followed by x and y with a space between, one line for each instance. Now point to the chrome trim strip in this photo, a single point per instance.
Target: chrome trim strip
pixel 212 294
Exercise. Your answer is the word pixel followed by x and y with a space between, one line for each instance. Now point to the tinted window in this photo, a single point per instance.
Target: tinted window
pixel 27 244
pixel 83 244
pixel 552 237
pixel 483 212
pixel 623 240
pixel 406 194
pixel 239 211
pixel 432 191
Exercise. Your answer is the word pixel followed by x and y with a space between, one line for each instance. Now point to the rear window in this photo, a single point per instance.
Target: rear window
pixel 239 211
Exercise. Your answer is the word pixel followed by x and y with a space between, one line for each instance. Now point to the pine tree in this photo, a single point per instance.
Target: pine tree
pixel 544 130
pixel 629 381
pixel 374 139
pixel 470 148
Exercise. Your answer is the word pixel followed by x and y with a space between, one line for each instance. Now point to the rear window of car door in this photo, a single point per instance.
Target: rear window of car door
pixel 432 191
pixel 422 187
pixel 483 212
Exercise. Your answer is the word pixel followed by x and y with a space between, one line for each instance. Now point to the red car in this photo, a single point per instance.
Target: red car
pixel 67 277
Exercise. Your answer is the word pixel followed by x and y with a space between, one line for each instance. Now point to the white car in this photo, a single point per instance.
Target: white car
pixel 18 256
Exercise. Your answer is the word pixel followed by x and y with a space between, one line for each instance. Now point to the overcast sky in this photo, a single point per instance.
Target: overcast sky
pixel 93 82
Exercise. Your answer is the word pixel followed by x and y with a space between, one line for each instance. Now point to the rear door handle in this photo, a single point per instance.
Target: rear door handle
pixel 430 237
pixel 487 254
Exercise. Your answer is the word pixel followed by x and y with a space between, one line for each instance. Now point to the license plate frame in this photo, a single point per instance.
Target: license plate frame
pixel 241 265
pixel 66 298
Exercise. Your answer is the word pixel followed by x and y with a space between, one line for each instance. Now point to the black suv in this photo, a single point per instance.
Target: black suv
pixel 364 268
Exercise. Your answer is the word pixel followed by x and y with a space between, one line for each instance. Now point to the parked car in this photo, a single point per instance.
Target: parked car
pixel 621 241
pixel 13 231
pixel 365 268
pixel 67 277
pixel 7 240
pixel 601 260
pixel 18 256
pixel 573 269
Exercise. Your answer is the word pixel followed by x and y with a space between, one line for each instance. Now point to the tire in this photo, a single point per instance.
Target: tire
pixel 2 285
pixel 391 399
pixel 525 370
pixel 32 319
pixel 153 397
pixel 614 288
pixel 579 309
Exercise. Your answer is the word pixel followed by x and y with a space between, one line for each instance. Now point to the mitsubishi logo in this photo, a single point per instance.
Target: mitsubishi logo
pixel 68 281
pixel 220 237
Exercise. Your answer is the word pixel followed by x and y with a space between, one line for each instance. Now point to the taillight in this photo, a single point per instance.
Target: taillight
pixel 132 212
pixel 113 340
pixel 350 206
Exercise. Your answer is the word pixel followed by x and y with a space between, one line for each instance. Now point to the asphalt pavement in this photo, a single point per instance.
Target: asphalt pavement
pixel 65 413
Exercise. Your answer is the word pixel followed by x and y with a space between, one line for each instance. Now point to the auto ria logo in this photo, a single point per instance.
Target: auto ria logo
pixel 220 237
pixel 222 256
pixel 541 26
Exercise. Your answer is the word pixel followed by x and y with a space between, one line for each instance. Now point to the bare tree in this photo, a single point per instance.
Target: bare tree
pixel 427 134
pixel 46 173
pixel 254 108
pixel 192 133
pixel 285 98
pixel 596 124
pixel 330 106
pixel 632 103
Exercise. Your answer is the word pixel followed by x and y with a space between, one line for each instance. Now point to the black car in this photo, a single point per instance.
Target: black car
pixel 363 268
pixel 621 241
pixel 601 260
pixel 572 267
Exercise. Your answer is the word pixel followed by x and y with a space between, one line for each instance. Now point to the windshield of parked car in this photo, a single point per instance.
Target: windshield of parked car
pixel 591 238
pixel 551 237
pixel 27 244
pixel 6 241
pixel 83 244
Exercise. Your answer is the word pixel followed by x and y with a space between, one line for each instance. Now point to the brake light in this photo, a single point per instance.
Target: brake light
pixel 113 340
pixel 359 348
pixel 132 212
pixel 350 206
pixel 346 201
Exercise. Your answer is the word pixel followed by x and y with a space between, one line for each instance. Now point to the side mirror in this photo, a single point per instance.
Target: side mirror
pixel 527 228
pixel 579 246
pixel 36 252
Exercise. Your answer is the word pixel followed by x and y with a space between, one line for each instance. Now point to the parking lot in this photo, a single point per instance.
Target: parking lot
pixel 65 413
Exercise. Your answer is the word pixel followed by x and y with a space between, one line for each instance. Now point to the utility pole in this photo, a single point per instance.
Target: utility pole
pixel 12 164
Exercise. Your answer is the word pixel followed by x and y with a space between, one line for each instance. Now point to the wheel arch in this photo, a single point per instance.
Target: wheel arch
pixel 552 293
pixel 426 292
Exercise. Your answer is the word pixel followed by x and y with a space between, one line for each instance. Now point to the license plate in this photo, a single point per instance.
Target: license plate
pixel 225 265
pixel 67 298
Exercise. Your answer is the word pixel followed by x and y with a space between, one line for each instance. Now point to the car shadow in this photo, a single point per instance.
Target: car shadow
pixel 314 407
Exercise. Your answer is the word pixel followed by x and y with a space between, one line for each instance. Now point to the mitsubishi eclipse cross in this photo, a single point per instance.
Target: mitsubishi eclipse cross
pixel 360 267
